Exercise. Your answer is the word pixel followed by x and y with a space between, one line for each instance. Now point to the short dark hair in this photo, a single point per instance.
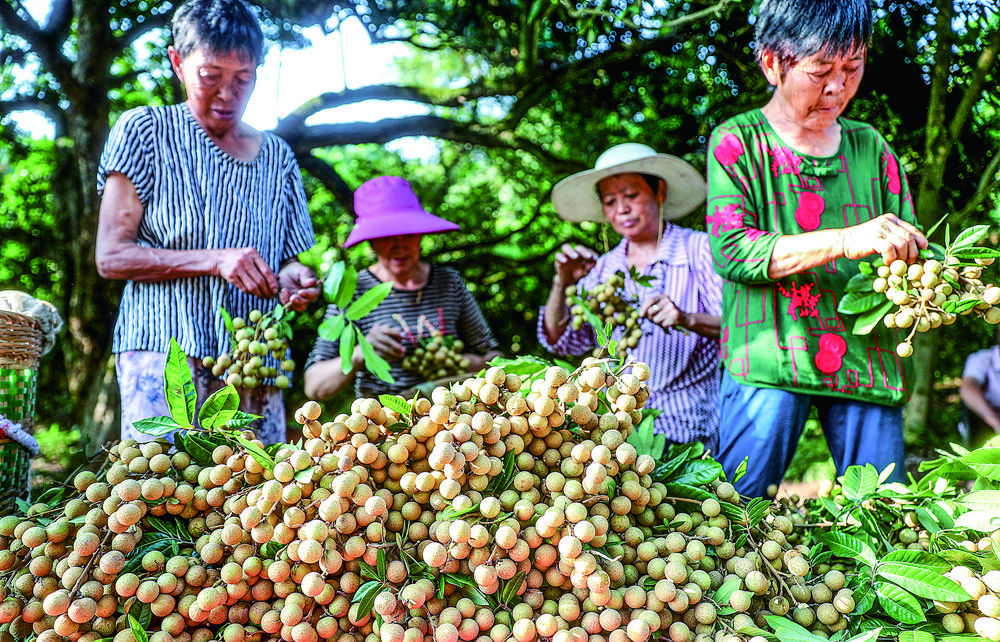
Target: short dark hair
pixel 218 27
pixel 796 29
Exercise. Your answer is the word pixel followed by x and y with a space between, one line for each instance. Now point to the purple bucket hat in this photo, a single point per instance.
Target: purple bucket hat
pixel 387 206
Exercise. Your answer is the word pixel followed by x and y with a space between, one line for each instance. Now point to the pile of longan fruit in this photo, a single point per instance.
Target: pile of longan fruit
pixel 607 302
pixel 509 508
pixel 925 290
pixel 253 338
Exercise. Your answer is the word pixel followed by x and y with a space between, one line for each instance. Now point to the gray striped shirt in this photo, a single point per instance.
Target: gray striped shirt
pixel 446 304
pixel 196 196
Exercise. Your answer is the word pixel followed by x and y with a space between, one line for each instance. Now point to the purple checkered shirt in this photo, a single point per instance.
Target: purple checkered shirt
pixel 685 367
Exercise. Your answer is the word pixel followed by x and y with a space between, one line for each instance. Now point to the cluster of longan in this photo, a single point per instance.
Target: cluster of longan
pixel 606 301
pixel 502 511
pixel 931 293
pixel 437 357
pixel 252 339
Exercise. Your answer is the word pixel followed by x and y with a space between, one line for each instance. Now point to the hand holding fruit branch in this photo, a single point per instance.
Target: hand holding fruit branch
pixel 887 235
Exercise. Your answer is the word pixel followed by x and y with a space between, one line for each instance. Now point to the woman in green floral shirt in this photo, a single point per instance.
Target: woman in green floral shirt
pixel 796 196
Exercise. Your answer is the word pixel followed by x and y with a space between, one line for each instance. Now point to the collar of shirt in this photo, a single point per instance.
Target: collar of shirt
pixel 672 250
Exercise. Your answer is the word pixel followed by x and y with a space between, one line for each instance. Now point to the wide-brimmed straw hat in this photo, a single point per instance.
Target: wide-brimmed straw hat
pixel 387 206
pixel 576 199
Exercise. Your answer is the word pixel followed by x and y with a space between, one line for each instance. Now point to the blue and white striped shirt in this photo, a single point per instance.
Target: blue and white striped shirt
pixel 196 196
pixel 684 380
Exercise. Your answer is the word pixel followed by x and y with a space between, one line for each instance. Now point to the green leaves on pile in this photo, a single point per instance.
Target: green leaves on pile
pixel 338 290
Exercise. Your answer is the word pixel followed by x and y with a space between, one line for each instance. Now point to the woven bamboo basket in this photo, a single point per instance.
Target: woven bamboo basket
pixel 20 350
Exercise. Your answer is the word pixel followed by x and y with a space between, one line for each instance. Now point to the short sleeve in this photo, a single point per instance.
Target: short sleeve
pixel 130 151
pixel 976 366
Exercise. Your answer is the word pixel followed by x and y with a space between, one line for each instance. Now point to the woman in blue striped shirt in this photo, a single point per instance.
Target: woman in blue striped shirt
pixel 198 211
pixel 638 191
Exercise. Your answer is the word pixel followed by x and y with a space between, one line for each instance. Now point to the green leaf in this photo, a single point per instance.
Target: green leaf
pixel 331 284
pixel 305 476
pixel 347 287
pixel 869 636
pixel 984 521
pixel 958 307
pixel 937 225
pixel 864 596
pixel 844 545
pixel 724 592
pixel 397 404
pixel 331 328
pixel 219 408
pixel 898 604
pixel 700 472
pixel 867 322
pixel 969 237
pixel 930 561
pixel 256 452
pixel 227 319
pixel 380 564
pixel 510 589
pixel 367 600
pixel 985 461
pixel 976 253
pixel 860 302
pixel 368 301
pixel 366 569
pixel 137 631
pixel 156 425
pixel 981 500
pixel 922 582
pixel 860 284
pixel 270 550
pixel 373 362
pixel 860 482
pixel 866 269
pixel 198 447
pixel 914 636
pixel 179 386
pixel 740 470
pixel 347 340
pixel 241 420
pixel 791 631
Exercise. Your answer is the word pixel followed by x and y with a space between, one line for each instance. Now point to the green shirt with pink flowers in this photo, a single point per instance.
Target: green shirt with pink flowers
pixel 787 333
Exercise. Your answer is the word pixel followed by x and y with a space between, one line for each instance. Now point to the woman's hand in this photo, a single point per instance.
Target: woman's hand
pixel 573 262
pixel 247 270
pixel 661 310
pixel 887 235
pixel 299 286
pixel 387 341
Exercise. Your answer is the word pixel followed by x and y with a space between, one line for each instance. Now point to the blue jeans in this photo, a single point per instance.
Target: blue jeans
pixel 765 424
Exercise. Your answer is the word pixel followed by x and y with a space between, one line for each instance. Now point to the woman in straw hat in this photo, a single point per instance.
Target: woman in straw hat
pixel 639 192
pixel 423 296
pixel 797 195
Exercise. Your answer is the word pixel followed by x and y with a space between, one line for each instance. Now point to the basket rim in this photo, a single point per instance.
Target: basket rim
pixel 20 319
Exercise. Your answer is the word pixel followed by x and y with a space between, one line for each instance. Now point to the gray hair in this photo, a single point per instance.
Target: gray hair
pixel 796 29
pixel 218 27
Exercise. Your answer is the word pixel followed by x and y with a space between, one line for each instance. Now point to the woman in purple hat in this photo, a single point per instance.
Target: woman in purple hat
pixel 391 219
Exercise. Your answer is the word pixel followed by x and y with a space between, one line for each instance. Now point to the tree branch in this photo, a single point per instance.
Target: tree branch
pixel 988 184
pixel 383 131
pixel 290 126
pixel 13 21
pixel 973 91
pixel 330 179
